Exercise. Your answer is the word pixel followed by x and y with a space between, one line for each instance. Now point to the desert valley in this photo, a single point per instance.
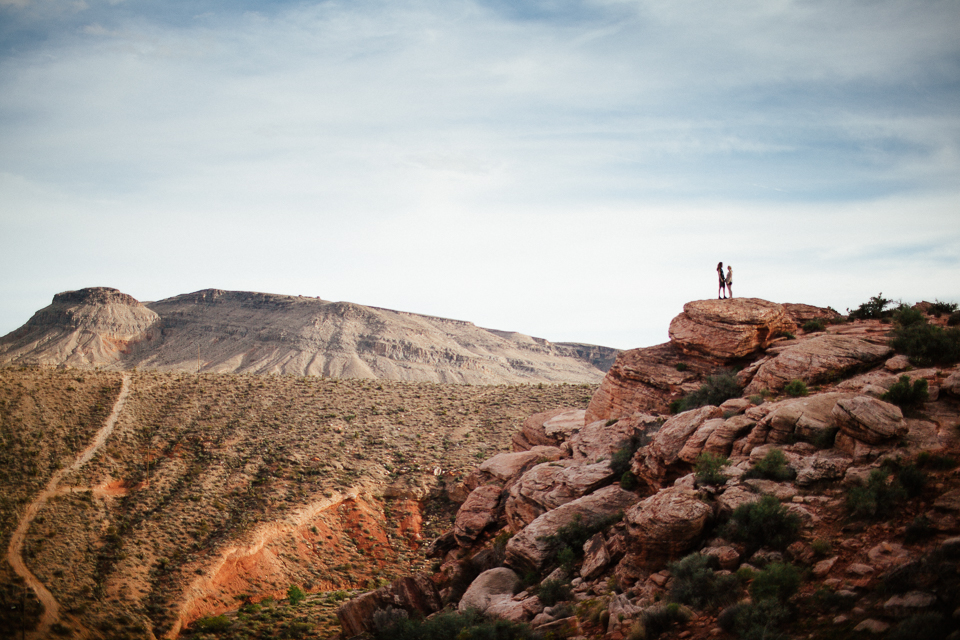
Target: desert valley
pixel 242 465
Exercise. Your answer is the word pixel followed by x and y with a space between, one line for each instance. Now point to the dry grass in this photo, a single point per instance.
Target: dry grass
pixel 329 484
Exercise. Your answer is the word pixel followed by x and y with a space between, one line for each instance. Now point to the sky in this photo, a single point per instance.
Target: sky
pixel 568 170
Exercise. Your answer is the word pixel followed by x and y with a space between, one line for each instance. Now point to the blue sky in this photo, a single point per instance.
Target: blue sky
pixel 570 170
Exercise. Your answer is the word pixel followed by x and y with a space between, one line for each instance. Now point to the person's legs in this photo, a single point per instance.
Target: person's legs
pixel 730 289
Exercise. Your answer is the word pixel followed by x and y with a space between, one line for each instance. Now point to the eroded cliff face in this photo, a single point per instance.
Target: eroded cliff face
pixel 247 332
pixel 98 326
pixel 553 509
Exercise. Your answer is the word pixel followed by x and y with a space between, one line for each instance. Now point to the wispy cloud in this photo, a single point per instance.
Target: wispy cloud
pixel 510 163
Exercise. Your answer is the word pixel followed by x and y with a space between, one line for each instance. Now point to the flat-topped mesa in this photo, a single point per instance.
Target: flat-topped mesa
pixel 728 329
pixel 103 311
pixel 96 326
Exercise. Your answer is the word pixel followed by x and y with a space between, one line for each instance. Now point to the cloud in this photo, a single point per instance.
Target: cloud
pixel 521 166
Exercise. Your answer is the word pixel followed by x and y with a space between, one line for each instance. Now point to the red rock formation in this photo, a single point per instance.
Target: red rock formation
pixel 728 329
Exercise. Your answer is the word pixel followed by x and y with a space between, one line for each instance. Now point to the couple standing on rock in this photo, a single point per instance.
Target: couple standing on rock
pixel 728 281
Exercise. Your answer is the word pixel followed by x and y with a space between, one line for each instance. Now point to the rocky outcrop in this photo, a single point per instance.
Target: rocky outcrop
pixel 728 329
pixel 665 525
pixel 600 440
pixel 416 595
pixel 476 514
pixel 815 360
pixel 652 462
pixel 800 314
pixel 644 380
pixel 490 588
pixel 869 420
pixel 551 484
pixel 549 428
pixel 533 547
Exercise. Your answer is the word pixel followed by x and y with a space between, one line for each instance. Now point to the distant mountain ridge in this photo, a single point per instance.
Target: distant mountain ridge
pixel 264 333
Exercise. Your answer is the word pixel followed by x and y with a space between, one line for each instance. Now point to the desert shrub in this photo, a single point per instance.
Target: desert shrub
pixel 385 619
pixel 756 621
pixel 821 547
pixel 708 468
pixel 567 559
pixel 812 326
pixel 954 319
pixel 772 466
pixel 551 592
pixel 825 438
pixel 935 462
pixel 628 481
pixel 453 624
pixel 920 528
pixel 682 366
pixel 574 535
pixel 927 344
pixel 903 394
pixel 778 581
pixel 295 595
pixel 695 583
pixel 938 308
pixel 213 623
pixel 796 388
pixel 715 390
pixel 660 618
pixel 912 479
pixel 905 316
pixel 922 626
pixel 764 523
pixel 872 309
pixel 876 499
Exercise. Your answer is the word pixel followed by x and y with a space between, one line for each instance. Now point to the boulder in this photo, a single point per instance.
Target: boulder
pixel 803 313
pixel 952 384
pixel 949 501
pixel 815 360
pixel 652 462
pixel 643 380
pixel 596 557
pixel 515 610
pixel 828 464
pixel 504 467
pixel 533 433
pixel 909 604
pixel 532 547
pixel 727 557
pixel 476 514
pixel 897 363
pixel 489 588
pixel 869 420
pixel 733 497
pixel 623 614
pixel 666 525
pixel 695 444
pixel 720 441
pixel 599 439
pixel 782 491
pixel 806 418
pixel 551 484
pixel 728 329
pixel 417 595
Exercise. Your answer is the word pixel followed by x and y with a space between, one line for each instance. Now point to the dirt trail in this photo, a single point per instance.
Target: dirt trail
pixel 51 609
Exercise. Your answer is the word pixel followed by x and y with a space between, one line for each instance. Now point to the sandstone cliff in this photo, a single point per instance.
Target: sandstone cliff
pixel 244 332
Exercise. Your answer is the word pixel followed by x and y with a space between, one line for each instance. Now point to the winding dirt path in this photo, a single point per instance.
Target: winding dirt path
pixel 51 608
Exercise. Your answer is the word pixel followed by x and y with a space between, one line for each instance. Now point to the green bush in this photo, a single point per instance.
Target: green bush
pixel 912 479
pixel 927 344
pixel 936 462
pixel 628 481
pixel 872 309
pixel 213 623
pixel 922 626
pixel 764 523
pixel 469 625
pixel 796 388
pixel 708 469
pixel 772 466
pixel 877 499
pixel 954 319
pixel 756 621
pixel 938 308
pixel 659 618
pixel 905 316
pixel 812 326
pixel 574 535
pixel 551 592
pixel 295 595
pixel 695 583
pixel 920 528
pixel 715 390
pixel 682 366
pixel 778 581
pixel 905 395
